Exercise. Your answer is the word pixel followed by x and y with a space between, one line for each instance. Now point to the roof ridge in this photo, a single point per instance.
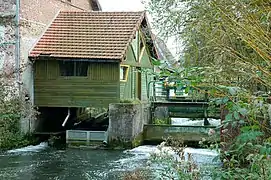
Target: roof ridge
pixel 100 12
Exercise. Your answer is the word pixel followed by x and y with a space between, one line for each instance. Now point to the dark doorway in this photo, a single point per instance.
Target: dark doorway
pixel 51 119
pixel 138 83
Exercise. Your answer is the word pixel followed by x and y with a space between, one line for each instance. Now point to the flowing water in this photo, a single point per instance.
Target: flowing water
pixel 44 163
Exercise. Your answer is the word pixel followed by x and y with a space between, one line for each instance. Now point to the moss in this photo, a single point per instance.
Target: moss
pixel 162 121
pixel 138 140
pixel 120 144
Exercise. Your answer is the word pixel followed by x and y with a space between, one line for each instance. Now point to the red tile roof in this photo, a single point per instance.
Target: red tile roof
pixel 92 35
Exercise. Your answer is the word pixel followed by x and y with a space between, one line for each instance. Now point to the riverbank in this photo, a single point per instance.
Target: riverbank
pixel 17 140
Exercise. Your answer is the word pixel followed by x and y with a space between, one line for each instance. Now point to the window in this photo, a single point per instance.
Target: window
pixel 124 69
pixel 73 68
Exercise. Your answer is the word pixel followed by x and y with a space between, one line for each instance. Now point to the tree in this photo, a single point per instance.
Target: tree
pixel 227 45
pixel 229 38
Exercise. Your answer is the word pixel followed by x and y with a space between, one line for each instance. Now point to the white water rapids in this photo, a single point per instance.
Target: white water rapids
pixel 92 165
pixel 30 148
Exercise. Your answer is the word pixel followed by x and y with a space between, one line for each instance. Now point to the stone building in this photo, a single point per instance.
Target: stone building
pixel 7 34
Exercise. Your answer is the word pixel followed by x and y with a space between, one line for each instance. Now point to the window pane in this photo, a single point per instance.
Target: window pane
pixel 66 68
pixel 82 68
pixel 123 72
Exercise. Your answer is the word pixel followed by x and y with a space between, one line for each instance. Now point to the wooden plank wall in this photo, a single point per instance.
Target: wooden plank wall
pixel 98 89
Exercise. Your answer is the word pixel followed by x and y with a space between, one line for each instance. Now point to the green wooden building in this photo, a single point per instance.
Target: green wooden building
pixel 92 59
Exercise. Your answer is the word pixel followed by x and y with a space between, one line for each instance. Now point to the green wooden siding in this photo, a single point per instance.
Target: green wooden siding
pixel 145 60
pixel 126 87
pixel 128 90
pixel 144 83
pixel 99 88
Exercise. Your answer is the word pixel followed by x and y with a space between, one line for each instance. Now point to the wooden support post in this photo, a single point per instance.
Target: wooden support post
pixel 167 95
pixel 206 122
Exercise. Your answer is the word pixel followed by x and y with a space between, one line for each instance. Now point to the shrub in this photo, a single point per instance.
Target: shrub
pixel 13 107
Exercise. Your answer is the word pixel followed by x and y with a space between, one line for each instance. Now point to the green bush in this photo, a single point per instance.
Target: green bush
pixel 13 107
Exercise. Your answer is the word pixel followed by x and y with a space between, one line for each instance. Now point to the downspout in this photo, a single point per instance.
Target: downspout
pixel 32 83
pixel 17 46
pixel 67 117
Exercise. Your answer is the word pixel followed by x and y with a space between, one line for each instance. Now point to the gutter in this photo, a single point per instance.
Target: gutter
pixel 32 83
pixel 67 117
pixel 17 45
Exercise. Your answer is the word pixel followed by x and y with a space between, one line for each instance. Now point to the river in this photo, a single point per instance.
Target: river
pixel 41 162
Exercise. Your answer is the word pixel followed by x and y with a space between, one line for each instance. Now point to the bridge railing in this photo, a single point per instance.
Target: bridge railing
pixel 173 91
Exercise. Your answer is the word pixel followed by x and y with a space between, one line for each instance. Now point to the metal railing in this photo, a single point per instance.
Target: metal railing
pixel 86 136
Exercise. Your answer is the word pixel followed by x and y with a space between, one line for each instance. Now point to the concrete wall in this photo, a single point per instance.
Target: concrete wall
pixel 126 121
pixel 157 133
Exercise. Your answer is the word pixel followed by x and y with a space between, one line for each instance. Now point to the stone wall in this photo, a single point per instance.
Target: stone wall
pixel 7 35
pixel 126 121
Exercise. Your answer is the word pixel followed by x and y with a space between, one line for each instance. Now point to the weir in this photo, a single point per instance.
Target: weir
pixel 156 133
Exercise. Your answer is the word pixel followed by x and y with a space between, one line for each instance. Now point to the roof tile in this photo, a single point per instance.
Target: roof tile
pixel 93 35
